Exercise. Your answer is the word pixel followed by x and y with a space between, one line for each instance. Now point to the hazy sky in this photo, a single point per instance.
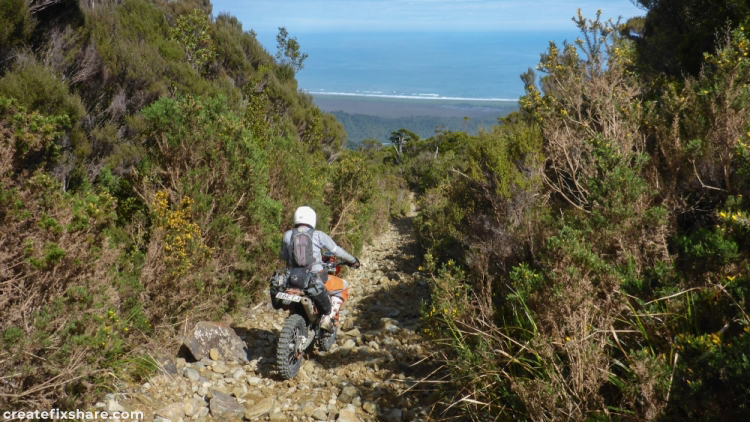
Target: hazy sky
pixel 300 16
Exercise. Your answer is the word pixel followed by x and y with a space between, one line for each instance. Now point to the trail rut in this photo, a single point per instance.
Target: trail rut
pixel 371 374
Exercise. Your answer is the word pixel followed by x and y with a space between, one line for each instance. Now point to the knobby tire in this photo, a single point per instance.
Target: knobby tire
pixel 286 357
pixel 326 339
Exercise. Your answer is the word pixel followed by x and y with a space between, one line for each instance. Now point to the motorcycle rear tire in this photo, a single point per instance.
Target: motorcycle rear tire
pixel 287 360
pixel 326 339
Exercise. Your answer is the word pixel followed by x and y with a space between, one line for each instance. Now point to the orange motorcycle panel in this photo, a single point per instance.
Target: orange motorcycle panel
pixel 336 284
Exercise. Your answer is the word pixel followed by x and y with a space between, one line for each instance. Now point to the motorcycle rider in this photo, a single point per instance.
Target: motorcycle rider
pixel 304 222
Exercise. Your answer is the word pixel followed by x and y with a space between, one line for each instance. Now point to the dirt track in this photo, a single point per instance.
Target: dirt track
pixel 371 373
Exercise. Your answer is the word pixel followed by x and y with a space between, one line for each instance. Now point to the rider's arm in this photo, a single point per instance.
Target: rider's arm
pixel 332 247
pixel 284 254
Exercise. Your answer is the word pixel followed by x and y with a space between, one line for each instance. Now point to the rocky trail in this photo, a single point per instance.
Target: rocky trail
pixel 372 373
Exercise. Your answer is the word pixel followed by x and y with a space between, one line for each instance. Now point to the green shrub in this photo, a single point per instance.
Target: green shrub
pixel 49 223
pixel 12 335
pixel 706 250
pixel 37 88
pixel 34 145
pixel 16 25
pixel 711 377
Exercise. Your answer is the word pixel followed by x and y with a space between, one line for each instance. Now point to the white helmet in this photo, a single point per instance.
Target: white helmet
pixel 305 215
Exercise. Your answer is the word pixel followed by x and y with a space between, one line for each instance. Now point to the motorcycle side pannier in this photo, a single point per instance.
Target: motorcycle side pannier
pixel 319 295
pixel 278 284
pixel 299 278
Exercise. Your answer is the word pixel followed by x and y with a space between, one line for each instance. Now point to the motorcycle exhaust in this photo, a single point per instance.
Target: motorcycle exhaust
pixel 309 308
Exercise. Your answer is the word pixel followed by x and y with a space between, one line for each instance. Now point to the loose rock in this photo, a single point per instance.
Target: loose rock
pixel 220 367
pixel 264 407
pixel 309 409
pixel 166 365
pixel 172 411
pixel 224 407
pixel 348 394
pixel 396 415
pixel 347 415
pixel 320 415
pixel 193 405
pixel 200 414
pixel 347 347
pixel 191 374
pixel 113 406
pixel 370 407
pixel 353 333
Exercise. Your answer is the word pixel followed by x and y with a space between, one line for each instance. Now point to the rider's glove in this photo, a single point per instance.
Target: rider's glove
pixel 355 264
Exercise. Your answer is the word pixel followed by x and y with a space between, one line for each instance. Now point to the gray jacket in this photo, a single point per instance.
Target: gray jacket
pixel 320 241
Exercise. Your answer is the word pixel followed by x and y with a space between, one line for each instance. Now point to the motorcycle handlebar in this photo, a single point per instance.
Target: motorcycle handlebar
pixel 332 265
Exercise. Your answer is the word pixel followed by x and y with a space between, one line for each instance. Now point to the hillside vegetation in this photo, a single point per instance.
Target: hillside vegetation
pixel 361 127
pixel 150 157
pixel 590 256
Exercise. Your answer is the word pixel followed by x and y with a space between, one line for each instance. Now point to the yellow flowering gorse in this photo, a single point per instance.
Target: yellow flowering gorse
pixel 183 245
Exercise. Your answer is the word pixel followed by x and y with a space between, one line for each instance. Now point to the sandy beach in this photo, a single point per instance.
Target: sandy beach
pixel 405 107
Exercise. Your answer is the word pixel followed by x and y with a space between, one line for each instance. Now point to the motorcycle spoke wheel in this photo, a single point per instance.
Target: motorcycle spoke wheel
pixel 288 357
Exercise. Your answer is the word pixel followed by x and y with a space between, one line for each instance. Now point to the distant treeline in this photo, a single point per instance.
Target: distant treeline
pixel 361 126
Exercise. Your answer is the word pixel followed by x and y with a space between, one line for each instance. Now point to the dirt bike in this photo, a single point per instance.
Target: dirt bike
pixel 302 326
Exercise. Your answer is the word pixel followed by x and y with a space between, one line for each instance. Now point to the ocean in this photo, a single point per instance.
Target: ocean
pixel 437 65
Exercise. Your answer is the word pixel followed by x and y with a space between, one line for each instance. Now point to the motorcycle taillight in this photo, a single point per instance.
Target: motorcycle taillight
pixel 338 269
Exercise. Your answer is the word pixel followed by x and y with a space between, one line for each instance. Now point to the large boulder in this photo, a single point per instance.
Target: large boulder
pixel 213 335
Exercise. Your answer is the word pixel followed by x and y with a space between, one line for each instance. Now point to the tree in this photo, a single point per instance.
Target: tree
pixel 288 53
pixel 400 138
pixel 193 32
pixel 370 145
pixel 676 33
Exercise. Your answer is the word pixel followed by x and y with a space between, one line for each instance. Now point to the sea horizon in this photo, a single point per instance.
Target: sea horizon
pixel 415 96
pixel 463 66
